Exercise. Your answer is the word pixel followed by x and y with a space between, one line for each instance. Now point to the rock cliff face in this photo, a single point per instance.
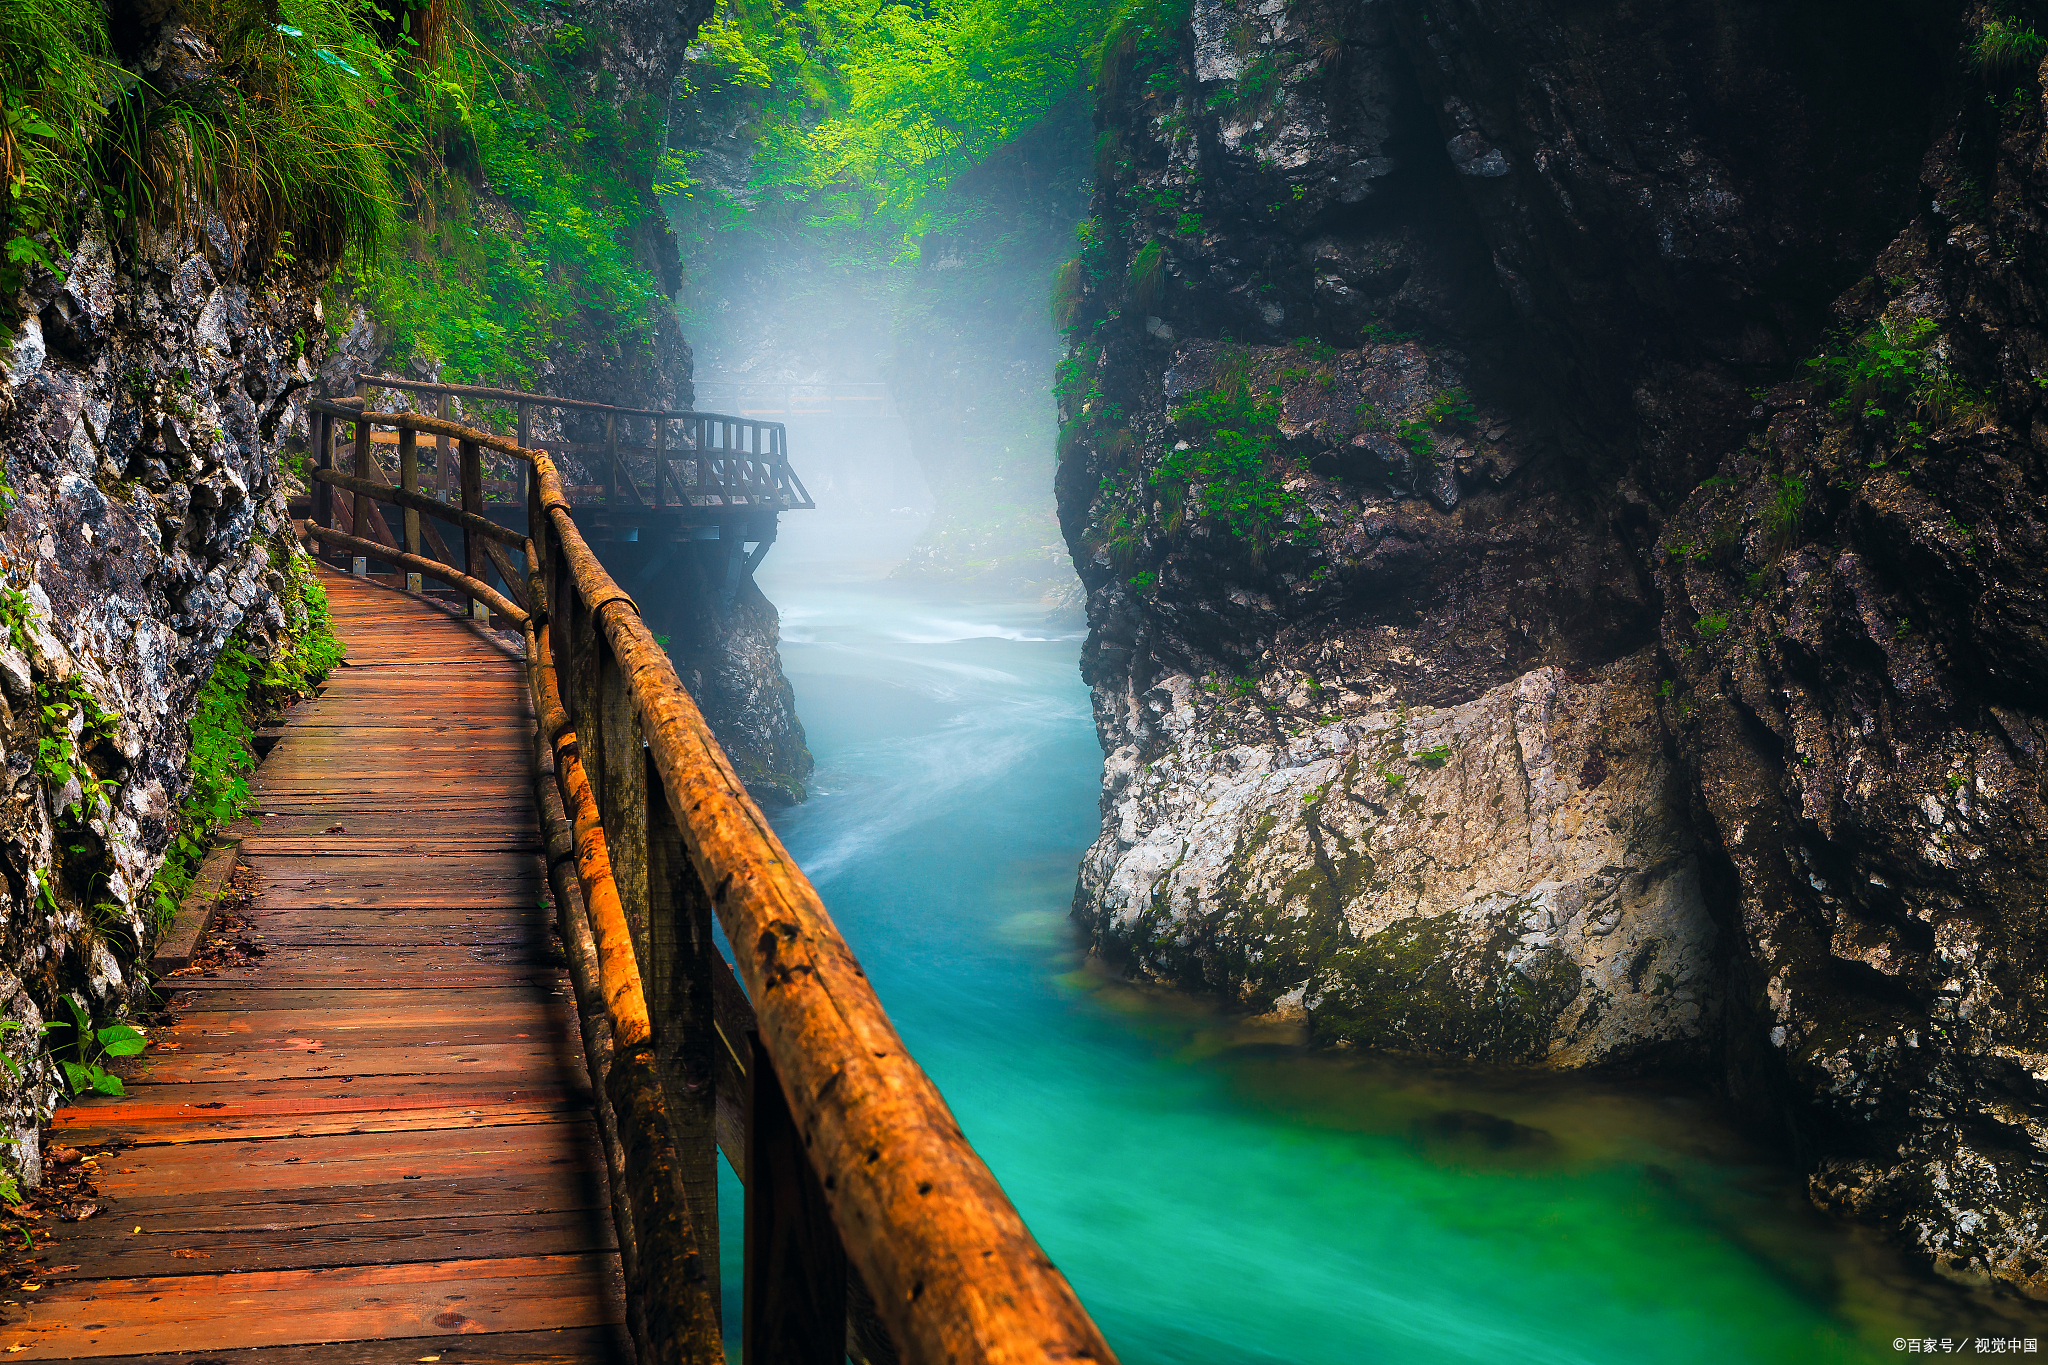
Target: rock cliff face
pixel 140 401
pixel 1505 646
pixel 626 57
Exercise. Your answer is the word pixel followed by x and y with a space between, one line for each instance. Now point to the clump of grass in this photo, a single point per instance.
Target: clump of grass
pixel 1066 293
pixel 2007 47
pixel 55 78
pixel 1148 278
pixel 1781 513
pixel 289 133
pixel 292 132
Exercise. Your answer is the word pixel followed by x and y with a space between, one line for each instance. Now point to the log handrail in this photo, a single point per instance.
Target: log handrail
pixel 930 1241
pixel 420 564
pixel 392 381
pixel 420 502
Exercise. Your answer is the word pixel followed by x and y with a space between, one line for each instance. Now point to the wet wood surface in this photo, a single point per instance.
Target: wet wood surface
pixel 374 1143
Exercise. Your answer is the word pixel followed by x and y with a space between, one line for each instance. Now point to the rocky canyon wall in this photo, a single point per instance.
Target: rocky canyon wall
pixel 1558 490
pixel 141 398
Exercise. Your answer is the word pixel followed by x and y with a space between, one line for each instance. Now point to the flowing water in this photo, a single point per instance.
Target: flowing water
pixel 1218 1194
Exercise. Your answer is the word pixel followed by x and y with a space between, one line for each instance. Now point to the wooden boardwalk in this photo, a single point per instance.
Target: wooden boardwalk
pixel 375 1146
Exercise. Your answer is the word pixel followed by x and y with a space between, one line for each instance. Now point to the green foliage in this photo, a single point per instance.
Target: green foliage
pixel 1713 624
pixel 2006 47
pixel 863 116
pixel 1148 278
pixel 293 132
pixel 492 295
pixel 84 1048
pixel 1894 368
pixel 1781 513
pixel 1453 405
pixel 1432 758
pixel 1863 371
pixel 1414 433
pixel 1380 333
pixel 54 83
pixel 1232 445
pixel 240 688
pixel 1251 89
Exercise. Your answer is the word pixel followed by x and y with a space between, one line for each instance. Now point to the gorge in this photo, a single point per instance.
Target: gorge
pixel 1556 497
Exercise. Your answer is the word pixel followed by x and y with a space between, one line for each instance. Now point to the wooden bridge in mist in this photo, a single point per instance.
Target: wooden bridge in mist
pixel 461 1098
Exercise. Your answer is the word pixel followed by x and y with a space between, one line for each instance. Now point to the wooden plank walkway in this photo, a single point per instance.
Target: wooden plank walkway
pixel 376 1144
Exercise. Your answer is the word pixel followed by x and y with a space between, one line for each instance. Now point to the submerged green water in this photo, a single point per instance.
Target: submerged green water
pixel 1217 1194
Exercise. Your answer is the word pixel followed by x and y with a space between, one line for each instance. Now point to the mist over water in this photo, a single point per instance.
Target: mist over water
pixel 1218 1194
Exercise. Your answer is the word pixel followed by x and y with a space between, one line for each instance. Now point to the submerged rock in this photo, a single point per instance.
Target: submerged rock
pixel 1473 1127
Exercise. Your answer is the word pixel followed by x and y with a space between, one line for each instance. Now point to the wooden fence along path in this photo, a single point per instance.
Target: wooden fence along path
pixel 406 1129
pixel 381 1131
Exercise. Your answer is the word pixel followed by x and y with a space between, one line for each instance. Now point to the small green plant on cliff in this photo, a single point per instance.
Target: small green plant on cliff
pixel 84 1049
pixel 60 756
pixel 1148 278
pixel 2007 47
pixel 1883 364
pixel 1451 407
pixel 1415 433
pixel 1781 512
pixel 1434 757
pixel 1232 448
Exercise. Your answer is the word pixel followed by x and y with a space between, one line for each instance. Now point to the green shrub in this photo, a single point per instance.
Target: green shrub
pixel 2006 47
pixel 293 132
pixel 1233 445
pixel 1148 278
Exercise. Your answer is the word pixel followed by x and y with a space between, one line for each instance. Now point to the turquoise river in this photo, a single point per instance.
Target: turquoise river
pixel 1217 1193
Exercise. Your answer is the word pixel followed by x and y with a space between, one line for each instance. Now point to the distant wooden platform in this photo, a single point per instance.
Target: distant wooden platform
pixel 375 1146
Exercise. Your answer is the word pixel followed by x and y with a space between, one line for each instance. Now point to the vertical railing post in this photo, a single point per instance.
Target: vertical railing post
pixel 679 986
pixel 622 798
pixel 443 481
pixel 473 562
pixel 658 440
pixel 323 458
pixel 611 459
pixel 577 671
pixel 409 481
pixel 359 506
pixel 527 482
pixel 795 1293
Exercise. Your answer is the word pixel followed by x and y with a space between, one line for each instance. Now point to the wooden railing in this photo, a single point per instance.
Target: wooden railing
pixel 648 458
pixel 873 1230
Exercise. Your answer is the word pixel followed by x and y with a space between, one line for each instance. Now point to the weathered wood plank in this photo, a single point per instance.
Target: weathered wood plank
pixel 570 1346
pixel 214 1250
pixel 291 1307
pixel 423 1059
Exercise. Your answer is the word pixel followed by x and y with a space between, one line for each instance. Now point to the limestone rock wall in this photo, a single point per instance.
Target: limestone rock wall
pixel 1796 609
pixel 140 401
pixel 1512 879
